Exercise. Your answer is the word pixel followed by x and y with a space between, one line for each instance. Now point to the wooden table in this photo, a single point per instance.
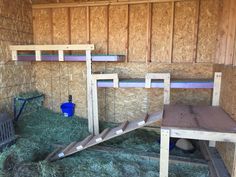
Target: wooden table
pixel 210 123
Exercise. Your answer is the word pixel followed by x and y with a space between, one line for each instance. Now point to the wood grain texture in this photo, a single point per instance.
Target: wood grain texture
pixel 184 31
pixel 78 25
pixel 98 31
pixel 118 29
pixel 137 33
pixel 60 26
pixel 161 24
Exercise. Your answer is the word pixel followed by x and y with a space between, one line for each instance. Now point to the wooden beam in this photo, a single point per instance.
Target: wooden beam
pixel 99 3
pixel 164 152
pixel 127 28
pixel 149 33
pixel 172 32
pixel 196 30
pixel 52 47
pixel 88 24
pixel 38 55
pixel 89 91
pixel 216 89
pixel 102 135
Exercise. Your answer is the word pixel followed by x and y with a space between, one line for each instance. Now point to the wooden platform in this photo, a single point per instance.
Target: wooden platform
pixel 140 83
pixel 207 118
pixel 208 123
pixel 75 58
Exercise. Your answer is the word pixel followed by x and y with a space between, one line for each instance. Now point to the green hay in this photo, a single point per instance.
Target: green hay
pixel 41 130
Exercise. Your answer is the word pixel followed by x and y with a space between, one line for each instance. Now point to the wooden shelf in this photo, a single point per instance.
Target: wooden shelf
pixel 74 58
pixel 140 83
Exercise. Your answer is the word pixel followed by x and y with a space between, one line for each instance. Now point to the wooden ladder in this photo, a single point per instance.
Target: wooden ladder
pixel 105 135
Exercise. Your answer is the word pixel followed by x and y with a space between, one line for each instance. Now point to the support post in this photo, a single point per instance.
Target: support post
pixel 164 152
pixel 95 78
pixel 89 91
pixel 38 55
pixel 161 76
pixel 216 96
pixel 233 173
pixel 14 55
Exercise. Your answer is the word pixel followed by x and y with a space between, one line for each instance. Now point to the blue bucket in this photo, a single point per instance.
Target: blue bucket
pixel 68 109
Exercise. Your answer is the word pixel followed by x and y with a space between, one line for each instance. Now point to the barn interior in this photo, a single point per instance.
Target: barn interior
pixel 191 40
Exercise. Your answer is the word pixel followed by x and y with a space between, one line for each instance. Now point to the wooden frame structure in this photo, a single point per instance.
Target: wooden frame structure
pixel 94 123
pixel 60 48
pixel 95 78
pixel 188 133
pixel 39 48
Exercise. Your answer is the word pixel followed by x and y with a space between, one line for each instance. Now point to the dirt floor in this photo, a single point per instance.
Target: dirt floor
pixel 134 154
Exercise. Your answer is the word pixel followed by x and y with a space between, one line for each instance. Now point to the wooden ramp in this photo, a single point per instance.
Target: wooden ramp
pixel 105 135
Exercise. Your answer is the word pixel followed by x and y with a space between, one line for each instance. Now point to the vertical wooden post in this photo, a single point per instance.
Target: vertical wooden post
pixel 88 25
pixel 167 89
pixel 38 55
pixel 164 152
pixel 89 91
pixel 149 33
pixel 14 55
pixel 233 173
pixel 216 96
pixel 196 31
pixel 172 32
pixel 216 89
pixel 95 107
pixel 61 55
pixel 127 27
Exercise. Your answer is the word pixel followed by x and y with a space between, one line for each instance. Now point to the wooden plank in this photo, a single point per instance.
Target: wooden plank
pixel 112 133
pixel 89 91
pixel 95 106
pixel 233 173
pixel 172 26
pixel 164 152
pixel 98 3
pixel 128 33
pixel 88 25
pixel 122 128
pixel 202 135
pixel 196 30
pixel 61 55
pixel 231 34
pixel 216 89
pixel 14 55
pixel 102 135
pixel 52 47
pixel 38 55
pixel 149 33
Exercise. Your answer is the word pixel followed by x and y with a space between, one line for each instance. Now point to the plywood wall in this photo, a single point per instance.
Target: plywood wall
pixel 226 45
pixel 155 37
pixel 228 103
pixel 15 28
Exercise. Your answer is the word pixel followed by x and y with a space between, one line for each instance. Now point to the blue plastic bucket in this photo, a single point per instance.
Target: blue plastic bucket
pixel 68 109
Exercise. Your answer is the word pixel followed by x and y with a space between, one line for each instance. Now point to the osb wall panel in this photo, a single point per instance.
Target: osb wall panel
pixel 118 24
pixel 208 28
pixel 60 26
pixel 137 32
pixel 78 25
pixel 184 31
pixel 228 103
pixel 98 28
pixel 161 29
pixel 114 29
pixel 15 28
